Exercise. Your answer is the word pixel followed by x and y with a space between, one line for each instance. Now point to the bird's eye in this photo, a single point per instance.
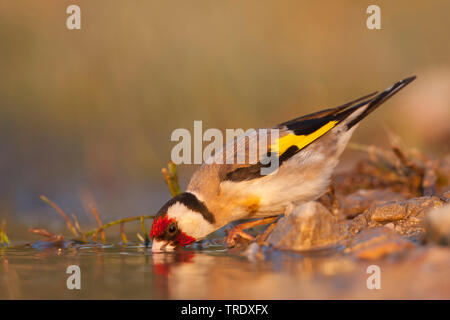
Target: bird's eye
pixel 172 228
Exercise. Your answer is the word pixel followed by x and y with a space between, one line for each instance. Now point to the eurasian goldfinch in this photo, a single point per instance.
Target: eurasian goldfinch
pixel 307 149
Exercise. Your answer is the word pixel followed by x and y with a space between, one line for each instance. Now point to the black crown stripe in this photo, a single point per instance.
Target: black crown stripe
pixel 191 202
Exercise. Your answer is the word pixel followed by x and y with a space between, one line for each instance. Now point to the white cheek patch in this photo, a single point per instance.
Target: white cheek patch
pixel 190 222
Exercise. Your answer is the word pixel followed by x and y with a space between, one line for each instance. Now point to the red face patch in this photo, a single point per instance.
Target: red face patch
pixel 161 224
pixel 183 239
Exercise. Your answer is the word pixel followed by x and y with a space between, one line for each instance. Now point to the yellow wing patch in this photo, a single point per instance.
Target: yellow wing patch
pixel 300 141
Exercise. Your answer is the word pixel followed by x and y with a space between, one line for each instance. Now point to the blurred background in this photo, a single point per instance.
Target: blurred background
pixel 86 115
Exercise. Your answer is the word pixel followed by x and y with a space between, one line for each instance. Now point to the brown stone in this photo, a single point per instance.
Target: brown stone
pixel 377 243
pixel 406 216
pixel 361 200
pixel 308 226
pixel 388 212
pixel 437 225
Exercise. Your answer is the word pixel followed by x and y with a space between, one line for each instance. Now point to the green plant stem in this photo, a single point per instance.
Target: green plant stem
pixel 174 177
pixel 144 231
pixel 116 222
pixel 171 178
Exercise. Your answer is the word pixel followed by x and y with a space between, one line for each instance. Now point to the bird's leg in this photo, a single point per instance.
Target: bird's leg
pixel 239 230
pixel 261 239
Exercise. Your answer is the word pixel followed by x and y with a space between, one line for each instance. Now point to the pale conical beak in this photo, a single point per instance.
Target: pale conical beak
pixel 162 246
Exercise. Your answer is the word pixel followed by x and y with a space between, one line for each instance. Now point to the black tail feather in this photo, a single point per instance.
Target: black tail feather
pixel 377 101
pixel 327 112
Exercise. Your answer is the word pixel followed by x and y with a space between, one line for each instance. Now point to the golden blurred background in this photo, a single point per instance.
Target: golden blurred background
pixel 86 115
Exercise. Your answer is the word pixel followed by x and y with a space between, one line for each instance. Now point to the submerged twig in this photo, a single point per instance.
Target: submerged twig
pixel 49 235
pixel 77 225
pixel 122 234
pixel 140 237
pixel 99 222
pixel 63 214
pixel 171 178
pixel 76 230
pixel 116 222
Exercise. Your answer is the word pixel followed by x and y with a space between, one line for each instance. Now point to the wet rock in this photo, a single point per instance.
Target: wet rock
pixel 405 217
pixel 254 252
pixel 446 195
pixel 308 226
pixel 377 243
pixel 388 212
pixel 437 225
pixel 443 171
pixel 361 200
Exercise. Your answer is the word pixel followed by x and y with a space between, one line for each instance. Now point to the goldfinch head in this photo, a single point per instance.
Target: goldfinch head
pixel 181 221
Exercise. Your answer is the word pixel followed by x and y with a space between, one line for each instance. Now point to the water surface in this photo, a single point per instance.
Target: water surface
pixel 134 272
